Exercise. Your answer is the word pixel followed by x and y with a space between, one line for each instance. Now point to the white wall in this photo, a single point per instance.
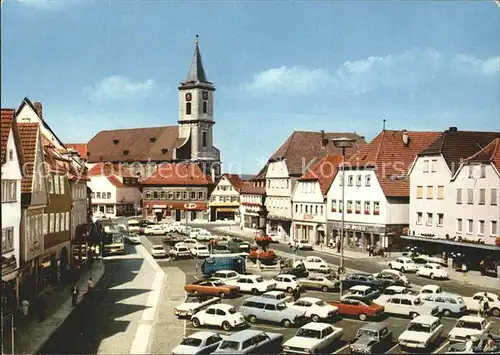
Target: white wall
pixel 11 211
pixel 219 195
pixel 475 211
pixel 101 184
pixel 308 193
pixel 27 114
pixel 279 187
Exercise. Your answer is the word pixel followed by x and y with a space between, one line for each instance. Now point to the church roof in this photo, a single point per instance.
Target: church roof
pixel 196 72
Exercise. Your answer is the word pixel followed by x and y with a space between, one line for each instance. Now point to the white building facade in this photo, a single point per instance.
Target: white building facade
pixel 252 205
pixel 114 195
pixel 224 200
pixel 309 212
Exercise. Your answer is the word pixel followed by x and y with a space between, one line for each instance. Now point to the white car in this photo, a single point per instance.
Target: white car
pixel 286 282
pixel 313 263
pixel 220 315
pixel 133 238
pixel 468 325
pixel 179 251
pixel 426 289
pixel 301 244
pixel 274 238
pixel 155 229
pixel 421 332
pixel 410 305
pixel 396 273
pixel 158 251
pixel 198 343
pixel 199 251
pixel 189 243
pixel 473 303
pixel 403 264
pixel 225 275
pixel 434 271
pixel 313 338
pixel 315 308
pixel 194 232
pixel 252 283
pixel 391 291
pixel 277 295
pixel 362 291
pixel 204 236
pixel 193 304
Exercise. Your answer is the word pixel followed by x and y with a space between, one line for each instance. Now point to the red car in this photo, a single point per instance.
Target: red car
pixel 361 308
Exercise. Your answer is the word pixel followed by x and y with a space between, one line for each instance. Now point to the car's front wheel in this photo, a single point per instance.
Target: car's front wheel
pixel 196 322
pixel 432 276
pixel 252 318
pixel 226 326
pixel 362 316
pixel 286 323
pixel 315 318
pixel 446 312
pixel 325 288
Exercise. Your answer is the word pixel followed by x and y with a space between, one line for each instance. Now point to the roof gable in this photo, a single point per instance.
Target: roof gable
pixel 29 137
pixel 8 125
pixel 81 149
pixel 324 171
pixel 488 155
pixel 178 174
pixel 234 180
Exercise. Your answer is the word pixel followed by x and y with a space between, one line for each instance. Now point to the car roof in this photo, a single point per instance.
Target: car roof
pixel 243 335
pixel 263 300
pixel 360 287
pixel 316 326
pixel 286 275
pixel 425 319
pixel 202 335
pixel 222 306
pixel 396 288
pixel 225 271
pixel 471 318
pixel 310 299
pixel 433 264
pixel 405 258
pixel 374 326
pixel 273 292
pixel 407 296
pixel 435 287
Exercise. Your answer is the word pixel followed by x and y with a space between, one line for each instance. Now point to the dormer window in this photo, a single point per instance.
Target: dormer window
pixel 125 152
pixel 164 151
pixel 116 141
pixel 152 139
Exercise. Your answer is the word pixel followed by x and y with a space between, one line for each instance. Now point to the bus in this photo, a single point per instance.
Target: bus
pixel 114 243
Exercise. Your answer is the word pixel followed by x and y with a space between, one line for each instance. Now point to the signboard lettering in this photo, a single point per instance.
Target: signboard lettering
pixel 190 206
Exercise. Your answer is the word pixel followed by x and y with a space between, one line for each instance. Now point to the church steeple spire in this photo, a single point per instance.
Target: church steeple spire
pixel 196 72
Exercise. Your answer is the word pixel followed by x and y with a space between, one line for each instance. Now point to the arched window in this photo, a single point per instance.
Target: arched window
pixel 188 108
pixel 205 106
pixel 148 195
pixel 155 195
pixel 163 195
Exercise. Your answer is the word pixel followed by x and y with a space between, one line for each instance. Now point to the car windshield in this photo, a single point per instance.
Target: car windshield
pixel 192 299
pixel 232 310
pixel 309 333
pixel 259 279
pixel 468 325
pixel 367 333
pixel 230 345
pixel 218 283
pixel 117 238
pixel 280 306
pixel 191 342
pixel 320 303
pixel 419 327
pixel 202 247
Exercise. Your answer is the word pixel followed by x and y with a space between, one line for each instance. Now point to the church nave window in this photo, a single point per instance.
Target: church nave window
pixel 188 108
pixel 205 105
pixel 204 139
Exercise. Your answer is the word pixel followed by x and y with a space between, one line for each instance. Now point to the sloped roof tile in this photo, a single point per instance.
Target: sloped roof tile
pixel 235 180
pixel 81 148
pixel 7 118
pixel 29 135
pixel 250 189
pixel 488 155
pixel 108 169
pixel 324 171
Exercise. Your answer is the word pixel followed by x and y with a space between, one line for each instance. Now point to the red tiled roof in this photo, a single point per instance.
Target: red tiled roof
pixel 455 145
pixel 235 180
pixel 302 148
pixel 81 148
pixel 134 144
pixel 391 159
pixel 249 189
pixel 107 169
pixel 178 174
pixel 8 116
pixel 115 181
pixel 489 154
pixel 28 134
pixel 324 171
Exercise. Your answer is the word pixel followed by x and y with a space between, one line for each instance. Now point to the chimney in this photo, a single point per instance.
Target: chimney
pixel 38 108
pixel 324 141
pixel 453 129
pixel 406 139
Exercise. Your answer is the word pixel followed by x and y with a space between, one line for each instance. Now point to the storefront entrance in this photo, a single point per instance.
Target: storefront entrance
pixel 177 215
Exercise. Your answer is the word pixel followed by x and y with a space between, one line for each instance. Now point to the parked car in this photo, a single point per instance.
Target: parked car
pixel 313 338
pixel 190 243
pixel 372 338
pixel 426 289
pixel 359 307
pixel 323 282
pixel 468 325
pixel 212 287
pixel 362 279
pixel 421 332
pixel 179 251
pixel 403 264
pixel 158 251
pixel 479 343
pixel 220 315
pixel 286 282
pixel 425 259
pixel 314 308
pixel 133 226
pixel 448 303
pixel 300 271
pixel 252 283
pixel 277 295
pixel 434 271
pixel 225 275
pixel 410 305
pixel 392 277
pixel 473 303
pixel 199 251
pixel 391 291
pixel 362 291
pixel 172 239
pixel 132 238
pixel 193 304
pixel 266 309
pixel 198 343
pixel 204 236
pixel 251 341
pixel 216 263
pixel 313 263
pixel 301 244
pixel 155 229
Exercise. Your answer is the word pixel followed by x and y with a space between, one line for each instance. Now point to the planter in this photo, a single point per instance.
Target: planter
pixel 367 211
pixel 349 211
pixel 334 210
pixel 358 212
pixel 376 213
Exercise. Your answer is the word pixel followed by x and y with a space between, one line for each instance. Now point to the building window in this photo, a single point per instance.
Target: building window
pixel 98 195
pixel 51 184
pixel 482 196
pixel 420 192
pixel 430 192
pixel 52 222
pixel 470 226
pixel 296 208
pixel 56 184
pixel 459 196
pixel 459 225
pixel 440 219
pixel 429 219
pixel 321 207
pixel 334 205
pixel 45 223
pixel 419 217
pixel 188 108
pixel 301 208
pixel 483 171
pixel 481 228
pixel 367 207
pixel 62 222
pixel 148 195
pixel 440 192
pixel 177 195
pixel 358 180
pixel 376 208
pixel 470 196
pixel 11 154
pixel 493 197
pixel 205 104
pixel 9 191
pixel 7 240
pixel 341 205
pixel 155 195
pixel 349 206
pixel 193 195
pixel 493 228
pixel 200 195
pixel 367 180
pixel 170 195
pixel 110 209
pixel 67 221
pixel 61 183
pixel 434 165
pixel 358 207
pixel 108 195
pixel 58 219
pixel 185 195
pixel 307 208
pixel 316 210
pixel 426 166
pixel 92 194
pixel 471 171
pixel 350 180
pixel 204 139
pixel 163 195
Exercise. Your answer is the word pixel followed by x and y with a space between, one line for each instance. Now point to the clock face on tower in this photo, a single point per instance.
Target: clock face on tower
pixel 205 95
pixel 188 97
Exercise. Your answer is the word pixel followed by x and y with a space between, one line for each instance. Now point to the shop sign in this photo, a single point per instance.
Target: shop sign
pixel 307 217
pixel 190 206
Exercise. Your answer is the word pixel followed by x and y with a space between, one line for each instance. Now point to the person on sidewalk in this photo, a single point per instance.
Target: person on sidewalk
pixel 469 345
pixel 491 345
pixel 90 285
pixel 485 306
pixel 75 292
pixel 464 270
pixel 296 293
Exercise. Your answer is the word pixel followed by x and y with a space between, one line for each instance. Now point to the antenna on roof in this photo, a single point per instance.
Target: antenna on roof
pixel 383 124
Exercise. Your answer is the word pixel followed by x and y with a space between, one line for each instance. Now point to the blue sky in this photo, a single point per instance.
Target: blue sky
pixel 278 66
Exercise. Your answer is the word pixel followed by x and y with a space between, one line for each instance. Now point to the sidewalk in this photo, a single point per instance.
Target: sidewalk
pixel 32 334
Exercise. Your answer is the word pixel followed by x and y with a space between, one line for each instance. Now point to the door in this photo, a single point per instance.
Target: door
pixel 220 316
pixel 210 317
pixel 178 215
pixel 269 313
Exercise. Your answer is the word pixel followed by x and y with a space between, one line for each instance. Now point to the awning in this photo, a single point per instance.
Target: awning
pixel 429 241
pixel 222 209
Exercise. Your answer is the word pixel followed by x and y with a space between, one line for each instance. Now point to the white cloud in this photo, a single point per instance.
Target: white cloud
pixel 472 64
pixel 119 87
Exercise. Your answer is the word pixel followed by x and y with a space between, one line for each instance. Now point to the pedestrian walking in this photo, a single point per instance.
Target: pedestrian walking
pixel 491 345
pixel 486 305
pixel 90 285
pixel 75 292
pixel 25 306
pixel 296 293
pixel 469 345
pixel 464 271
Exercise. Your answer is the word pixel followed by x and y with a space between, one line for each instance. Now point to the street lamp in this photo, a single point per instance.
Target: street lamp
pixel 343 143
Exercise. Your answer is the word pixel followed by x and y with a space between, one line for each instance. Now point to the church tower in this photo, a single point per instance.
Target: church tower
pixel 196 112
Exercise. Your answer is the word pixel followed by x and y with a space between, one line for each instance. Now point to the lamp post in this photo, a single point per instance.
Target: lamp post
pixel 343 143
